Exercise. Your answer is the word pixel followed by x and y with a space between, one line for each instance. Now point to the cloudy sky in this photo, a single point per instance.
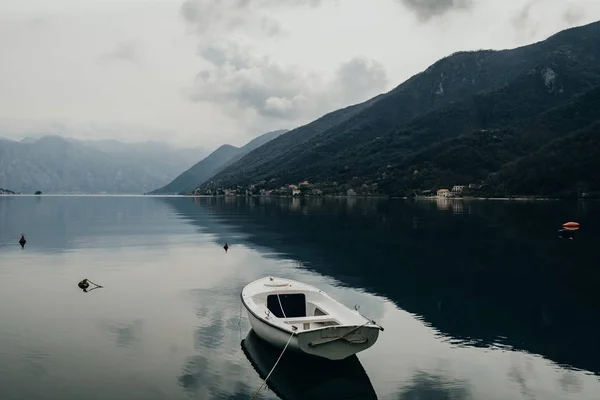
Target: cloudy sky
pixel 207 72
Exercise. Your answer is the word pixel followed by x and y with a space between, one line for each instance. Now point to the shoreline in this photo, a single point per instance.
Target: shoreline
pixel 514 198
pixel 432 198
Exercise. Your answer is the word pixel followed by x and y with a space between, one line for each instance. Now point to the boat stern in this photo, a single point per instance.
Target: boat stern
pixel 338 342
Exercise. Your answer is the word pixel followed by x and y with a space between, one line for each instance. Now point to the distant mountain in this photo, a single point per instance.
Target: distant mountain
pixel 214 162
pixel 200 171
pixel 6 191
pixel 458 122
pixel 54 164
pixel 274 152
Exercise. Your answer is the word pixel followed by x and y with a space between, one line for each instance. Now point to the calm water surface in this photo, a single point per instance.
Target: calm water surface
pixel 479 300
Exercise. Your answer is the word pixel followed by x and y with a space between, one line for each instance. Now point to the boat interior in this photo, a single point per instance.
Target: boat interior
pixel 299 312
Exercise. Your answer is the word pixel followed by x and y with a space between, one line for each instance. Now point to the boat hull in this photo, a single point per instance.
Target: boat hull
pixel 325 342
pixel 271 334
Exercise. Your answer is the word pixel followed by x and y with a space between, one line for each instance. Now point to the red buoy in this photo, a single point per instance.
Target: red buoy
pixel 571 226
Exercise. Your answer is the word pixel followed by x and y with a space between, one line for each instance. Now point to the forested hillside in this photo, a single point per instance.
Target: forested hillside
pixel 466 119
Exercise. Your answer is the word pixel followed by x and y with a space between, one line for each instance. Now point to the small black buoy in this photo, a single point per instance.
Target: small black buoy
pixel 84 284
pixel 226 247
pixel 22 241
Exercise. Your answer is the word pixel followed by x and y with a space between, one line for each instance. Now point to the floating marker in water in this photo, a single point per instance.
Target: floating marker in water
pixel 84 284
pixel 571 225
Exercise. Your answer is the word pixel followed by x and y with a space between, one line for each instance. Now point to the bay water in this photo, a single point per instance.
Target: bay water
pixel 479 299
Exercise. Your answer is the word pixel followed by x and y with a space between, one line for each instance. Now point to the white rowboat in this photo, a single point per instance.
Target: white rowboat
pixel 282 310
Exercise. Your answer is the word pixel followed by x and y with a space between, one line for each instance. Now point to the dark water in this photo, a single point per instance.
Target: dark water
pixel 479 300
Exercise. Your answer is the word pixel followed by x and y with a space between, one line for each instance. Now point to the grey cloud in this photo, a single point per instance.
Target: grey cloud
pixel 190 11
pixel 523 22
pixel 271 27
pixel 359 76
pixel 228 15
pixel 223 52
pixel 125 51
pixel 249 82
pixel 533 16
pixel 203 75
pixel 573 15
pixel 241 79
pixel 427 9
pixel 202 13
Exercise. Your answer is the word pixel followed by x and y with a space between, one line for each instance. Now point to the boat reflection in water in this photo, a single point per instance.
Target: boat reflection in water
pixel 299 376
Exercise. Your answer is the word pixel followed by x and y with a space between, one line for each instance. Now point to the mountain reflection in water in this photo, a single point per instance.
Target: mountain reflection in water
pixel 493 274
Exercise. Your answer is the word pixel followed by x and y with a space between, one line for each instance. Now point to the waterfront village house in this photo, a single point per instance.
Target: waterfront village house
pixel 304 183
pixel 350 192
pixel 295 192
pixel 293 187
pixel 458 189
pixel 443 193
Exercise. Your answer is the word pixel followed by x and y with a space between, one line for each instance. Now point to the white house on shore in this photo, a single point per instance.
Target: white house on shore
pixel 458 189
pixel 443 193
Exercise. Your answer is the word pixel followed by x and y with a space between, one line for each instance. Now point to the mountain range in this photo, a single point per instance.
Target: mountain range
pixel 517 121
pixel 521 121
pixel 222 157
pixel 54 164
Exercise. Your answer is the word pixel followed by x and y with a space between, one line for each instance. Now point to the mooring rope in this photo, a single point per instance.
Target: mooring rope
pixel 368 319
pixel 283 351
pixel 275 365
pixel 240 320
pixel 280 305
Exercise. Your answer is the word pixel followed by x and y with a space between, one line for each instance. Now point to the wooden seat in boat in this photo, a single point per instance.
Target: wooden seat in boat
pixel 316 318
pixel 310 322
